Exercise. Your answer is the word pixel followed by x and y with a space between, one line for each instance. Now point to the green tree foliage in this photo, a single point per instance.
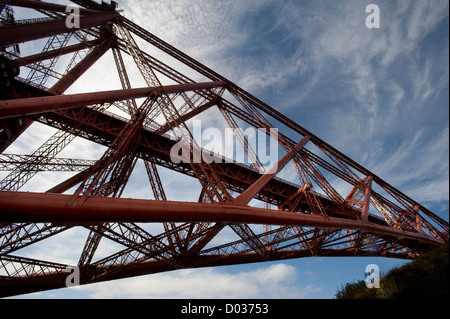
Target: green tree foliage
pixel 424 278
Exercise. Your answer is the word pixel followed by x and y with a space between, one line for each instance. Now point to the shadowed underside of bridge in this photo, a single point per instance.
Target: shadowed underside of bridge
pixel 244 212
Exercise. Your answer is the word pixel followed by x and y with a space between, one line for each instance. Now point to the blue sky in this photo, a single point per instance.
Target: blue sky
pixel 380 96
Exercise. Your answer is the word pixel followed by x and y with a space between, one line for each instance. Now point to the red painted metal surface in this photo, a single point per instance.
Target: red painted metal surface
pixel 307 218
pixel 35 207
pixel 11 108
pixel 33 4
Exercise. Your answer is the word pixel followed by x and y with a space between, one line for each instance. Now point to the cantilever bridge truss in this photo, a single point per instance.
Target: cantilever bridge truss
pixel 270 218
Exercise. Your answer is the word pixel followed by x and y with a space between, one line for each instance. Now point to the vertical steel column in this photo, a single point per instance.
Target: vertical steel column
pixel 366 204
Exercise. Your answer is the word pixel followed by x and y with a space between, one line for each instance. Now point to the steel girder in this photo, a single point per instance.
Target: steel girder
pixel 310 218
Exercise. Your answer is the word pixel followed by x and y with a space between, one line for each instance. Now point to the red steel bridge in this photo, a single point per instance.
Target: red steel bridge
pixel 271 218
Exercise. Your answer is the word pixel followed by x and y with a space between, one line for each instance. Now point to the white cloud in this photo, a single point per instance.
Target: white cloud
pixel 192 25
pixel 425 15
pixel 419 166
pixel 275 281
pixel 64 247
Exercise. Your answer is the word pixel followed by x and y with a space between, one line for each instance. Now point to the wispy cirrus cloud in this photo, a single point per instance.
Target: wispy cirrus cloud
pixel 375 94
